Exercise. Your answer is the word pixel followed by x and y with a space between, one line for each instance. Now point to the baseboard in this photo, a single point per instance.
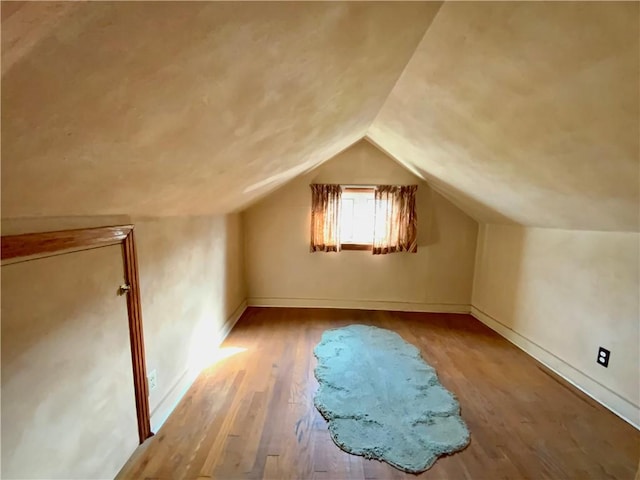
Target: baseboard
pixel 180 387
pixel 359 305
pixel 622 407
pixel 171 400
pixel 233 319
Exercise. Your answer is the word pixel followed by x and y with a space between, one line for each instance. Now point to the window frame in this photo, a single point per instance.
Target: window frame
pixel 358 246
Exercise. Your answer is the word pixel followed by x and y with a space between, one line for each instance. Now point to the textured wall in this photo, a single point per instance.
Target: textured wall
pixel 68 408
pixel 518 112
pixel 525 112
pixel 209 103
pixel 569 292
pixel 280 269
pixel 192 283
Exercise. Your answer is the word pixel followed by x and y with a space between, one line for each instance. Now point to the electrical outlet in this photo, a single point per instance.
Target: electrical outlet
pixel 603 357
pixel 152 380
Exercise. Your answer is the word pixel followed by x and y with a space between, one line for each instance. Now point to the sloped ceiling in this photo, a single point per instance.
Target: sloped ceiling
pixel 525 112
pixel 518 112
pixel 187 108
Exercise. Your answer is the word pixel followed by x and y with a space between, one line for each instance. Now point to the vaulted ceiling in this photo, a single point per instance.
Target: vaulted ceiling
pixel 187 107
pixel 525 112
pixel 517 112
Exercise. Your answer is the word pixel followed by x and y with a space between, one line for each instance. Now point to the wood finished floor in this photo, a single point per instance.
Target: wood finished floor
pixel 251 415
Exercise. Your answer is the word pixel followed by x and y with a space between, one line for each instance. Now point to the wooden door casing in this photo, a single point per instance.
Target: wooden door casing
pixel 50 243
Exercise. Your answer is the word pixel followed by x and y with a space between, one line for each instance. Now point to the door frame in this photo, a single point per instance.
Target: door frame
pixel 49 243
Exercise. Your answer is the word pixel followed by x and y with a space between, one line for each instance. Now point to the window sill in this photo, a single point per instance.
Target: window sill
pixel 356 246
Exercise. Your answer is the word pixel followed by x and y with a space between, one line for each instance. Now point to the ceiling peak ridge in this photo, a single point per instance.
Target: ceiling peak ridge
pixel 433 19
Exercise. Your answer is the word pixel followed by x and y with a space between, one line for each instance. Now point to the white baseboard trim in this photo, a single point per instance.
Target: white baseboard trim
pixel 182 385
pixel 358 305
pixel 622 407
pixel 171 400
pixel 233 319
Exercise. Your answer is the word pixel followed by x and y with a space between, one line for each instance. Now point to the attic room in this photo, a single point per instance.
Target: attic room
pixel 320 240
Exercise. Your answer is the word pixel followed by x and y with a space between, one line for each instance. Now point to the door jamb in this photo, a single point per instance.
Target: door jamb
pixel 49 243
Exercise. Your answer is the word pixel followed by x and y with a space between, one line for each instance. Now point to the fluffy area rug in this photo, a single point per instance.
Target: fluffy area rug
pixel 383 401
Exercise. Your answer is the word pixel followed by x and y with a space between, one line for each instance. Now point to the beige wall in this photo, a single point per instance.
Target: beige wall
pixel 561 294
pixel 281 271
pixel 192 286
pixel 192 283
pixel 68 407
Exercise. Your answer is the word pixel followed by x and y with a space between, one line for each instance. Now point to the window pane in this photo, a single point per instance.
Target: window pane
pixel 363 222
pixel 356 218
pixel 346 220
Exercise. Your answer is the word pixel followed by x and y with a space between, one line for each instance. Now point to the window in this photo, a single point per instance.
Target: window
pixel 357 209
pixel 381 219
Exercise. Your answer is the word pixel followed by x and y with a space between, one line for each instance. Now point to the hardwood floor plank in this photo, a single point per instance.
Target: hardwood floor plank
pixel 252 415
pixel 272 468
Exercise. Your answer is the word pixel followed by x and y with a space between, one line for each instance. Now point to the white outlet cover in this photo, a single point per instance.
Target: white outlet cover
pixel 152 379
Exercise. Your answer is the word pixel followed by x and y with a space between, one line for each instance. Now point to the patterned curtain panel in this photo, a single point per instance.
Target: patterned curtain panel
pixel 396 221
pixel 325 218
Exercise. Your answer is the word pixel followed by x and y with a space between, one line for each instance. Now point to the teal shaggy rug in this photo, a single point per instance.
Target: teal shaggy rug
pixel 383 401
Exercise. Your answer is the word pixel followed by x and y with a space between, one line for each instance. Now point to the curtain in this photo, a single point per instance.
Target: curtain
pixel 395 221
pixel 325 218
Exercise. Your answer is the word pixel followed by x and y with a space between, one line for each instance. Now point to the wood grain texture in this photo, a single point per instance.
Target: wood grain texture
pixel 251 415
pixel 14 246
pixel 136 336
pixel 356 246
